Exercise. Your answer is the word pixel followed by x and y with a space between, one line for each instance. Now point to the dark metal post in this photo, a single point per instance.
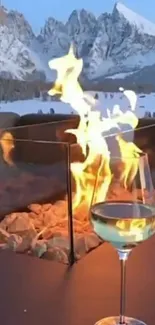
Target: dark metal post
pixel 70 210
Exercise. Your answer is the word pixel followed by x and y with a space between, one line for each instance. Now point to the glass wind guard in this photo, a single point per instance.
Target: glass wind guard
pixel 46 170
pixel 34 213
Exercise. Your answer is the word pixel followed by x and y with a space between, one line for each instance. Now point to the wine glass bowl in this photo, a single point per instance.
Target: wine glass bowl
pixel 122 223
pixel 123 213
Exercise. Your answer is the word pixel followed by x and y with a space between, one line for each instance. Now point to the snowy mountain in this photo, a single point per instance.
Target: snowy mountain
pixel 18 56
pixel 117 45
pixel 125 43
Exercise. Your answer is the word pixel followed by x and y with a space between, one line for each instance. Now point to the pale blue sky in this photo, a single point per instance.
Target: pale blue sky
pixel 37 11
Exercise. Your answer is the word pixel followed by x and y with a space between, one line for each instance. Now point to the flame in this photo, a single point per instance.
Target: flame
pixel 62 65
pixel 132 228
pixel 91 133
pixel 7 144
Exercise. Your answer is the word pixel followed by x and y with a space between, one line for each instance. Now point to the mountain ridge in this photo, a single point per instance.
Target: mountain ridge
pixel 117 43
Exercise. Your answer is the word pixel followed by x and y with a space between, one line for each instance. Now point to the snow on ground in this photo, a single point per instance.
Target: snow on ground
pixel 120 75
pixel 144 102
pixel 106 100
pixel 23 107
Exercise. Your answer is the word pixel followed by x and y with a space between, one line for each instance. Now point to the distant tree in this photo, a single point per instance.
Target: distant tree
pixel 12 99
pixel 147 114
pixel 96 96
pixel 140 89
pixel 52 111
pixel 37 93
pixel 40 111
pixel 44 96
pixel 153 115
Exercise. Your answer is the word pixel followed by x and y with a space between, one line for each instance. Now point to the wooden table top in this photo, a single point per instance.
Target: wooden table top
pixel 38 292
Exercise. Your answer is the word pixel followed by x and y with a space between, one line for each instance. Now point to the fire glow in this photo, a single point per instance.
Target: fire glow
pixel 91 134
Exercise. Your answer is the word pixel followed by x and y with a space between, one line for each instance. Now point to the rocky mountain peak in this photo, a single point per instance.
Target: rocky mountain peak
pixel 19 26
pixel 81 21
pixel 51 27
pixel 82 28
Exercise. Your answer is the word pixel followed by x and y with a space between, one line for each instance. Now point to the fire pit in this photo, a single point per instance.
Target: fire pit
pixel 48 172
pixel 38 215
pixel 37 190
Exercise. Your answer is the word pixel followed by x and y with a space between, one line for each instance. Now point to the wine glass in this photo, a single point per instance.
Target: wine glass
pixel 123 213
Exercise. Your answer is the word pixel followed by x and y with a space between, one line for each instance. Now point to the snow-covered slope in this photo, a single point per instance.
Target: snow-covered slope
pixel 117 44
pixel 142 24
pixel 19 49
pixel 106 100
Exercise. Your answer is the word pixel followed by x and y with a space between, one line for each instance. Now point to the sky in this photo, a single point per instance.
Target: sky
pixel 37 11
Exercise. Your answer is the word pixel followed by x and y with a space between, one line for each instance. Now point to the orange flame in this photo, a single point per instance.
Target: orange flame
pixel 91 130
pixel 7 144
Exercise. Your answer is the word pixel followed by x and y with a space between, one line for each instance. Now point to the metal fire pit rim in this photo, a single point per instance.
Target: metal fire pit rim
pixel 38 124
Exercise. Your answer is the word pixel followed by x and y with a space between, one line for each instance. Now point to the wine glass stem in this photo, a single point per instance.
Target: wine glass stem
pixel 123 256
pixel 123 291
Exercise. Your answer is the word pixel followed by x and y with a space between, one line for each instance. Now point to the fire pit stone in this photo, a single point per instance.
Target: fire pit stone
pixel 43 232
